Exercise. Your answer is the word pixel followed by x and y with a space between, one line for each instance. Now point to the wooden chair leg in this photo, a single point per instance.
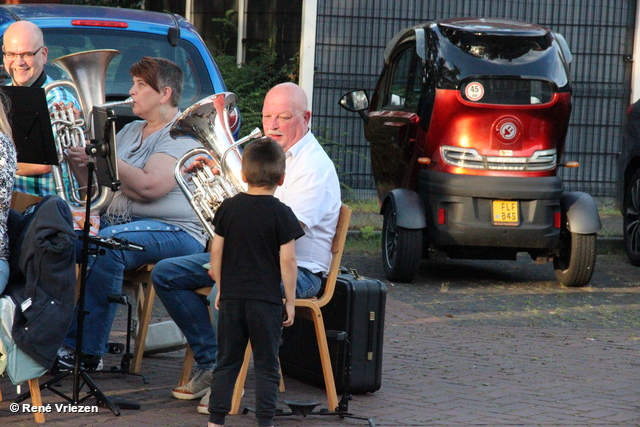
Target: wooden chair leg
pixel 144 319
pixel 281 386
pixel 239 387
pixel 187 364
pixel 78 281
pixel 325 359
pixel 36 398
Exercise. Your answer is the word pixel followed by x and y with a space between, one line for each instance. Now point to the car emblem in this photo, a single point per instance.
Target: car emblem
pixel 508 130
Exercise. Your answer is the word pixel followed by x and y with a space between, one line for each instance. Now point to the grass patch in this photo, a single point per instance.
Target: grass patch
pixel 608 209
pixel 363 243
pixel 364 206
pixel 366 215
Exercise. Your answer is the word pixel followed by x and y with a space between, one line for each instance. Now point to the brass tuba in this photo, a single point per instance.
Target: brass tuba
pixel 207 121
pixel 87 71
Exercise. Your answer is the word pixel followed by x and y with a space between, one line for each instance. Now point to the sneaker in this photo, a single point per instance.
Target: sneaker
pixel 66 360
pixel 195 388
pixel 203 406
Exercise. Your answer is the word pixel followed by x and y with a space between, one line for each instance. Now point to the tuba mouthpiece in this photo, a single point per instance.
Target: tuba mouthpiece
pixel 128 102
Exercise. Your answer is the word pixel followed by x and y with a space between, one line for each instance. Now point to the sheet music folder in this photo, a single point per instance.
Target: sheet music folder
pixel 31 125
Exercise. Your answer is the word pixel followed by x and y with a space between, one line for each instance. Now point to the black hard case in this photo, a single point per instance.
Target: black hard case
pixel 355 316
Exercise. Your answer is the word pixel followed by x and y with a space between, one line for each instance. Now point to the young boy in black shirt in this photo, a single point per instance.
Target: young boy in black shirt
pixel 252 253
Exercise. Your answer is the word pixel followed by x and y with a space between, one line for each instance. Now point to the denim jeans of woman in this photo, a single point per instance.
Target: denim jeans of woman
pixel 175 281
pixel 4 274
pixel 105 274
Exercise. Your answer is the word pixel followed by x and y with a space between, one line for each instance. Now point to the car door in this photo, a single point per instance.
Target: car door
pixel 393 120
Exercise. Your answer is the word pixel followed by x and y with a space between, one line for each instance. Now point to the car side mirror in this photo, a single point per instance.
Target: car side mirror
pixel 356 101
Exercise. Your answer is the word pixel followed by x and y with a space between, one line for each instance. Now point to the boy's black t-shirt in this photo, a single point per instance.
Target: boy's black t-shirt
pixel 254 227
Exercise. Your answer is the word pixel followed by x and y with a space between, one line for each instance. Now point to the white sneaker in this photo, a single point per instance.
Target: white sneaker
pixel 203 406
pixel 197 387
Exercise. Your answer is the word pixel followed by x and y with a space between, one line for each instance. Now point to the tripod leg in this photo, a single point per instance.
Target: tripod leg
pixel 47 385
pixel 101 398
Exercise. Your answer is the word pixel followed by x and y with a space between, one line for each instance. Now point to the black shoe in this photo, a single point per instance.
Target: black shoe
pixel 66 360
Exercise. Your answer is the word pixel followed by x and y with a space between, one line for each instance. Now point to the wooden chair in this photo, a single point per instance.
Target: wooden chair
pixel 187 364
pixel 309 308
pixel 145 295
pixel 36 398
pixel 21 201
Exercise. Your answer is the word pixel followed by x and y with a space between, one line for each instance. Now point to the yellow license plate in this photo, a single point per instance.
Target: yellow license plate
pixel 505 212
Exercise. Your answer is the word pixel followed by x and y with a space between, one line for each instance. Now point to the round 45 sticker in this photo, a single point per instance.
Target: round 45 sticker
pixel 474 91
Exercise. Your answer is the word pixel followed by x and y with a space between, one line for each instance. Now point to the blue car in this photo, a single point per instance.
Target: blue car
pixel 135 33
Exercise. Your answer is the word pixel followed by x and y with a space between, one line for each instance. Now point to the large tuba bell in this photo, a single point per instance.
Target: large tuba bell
pixel 207 121
pixel 87 71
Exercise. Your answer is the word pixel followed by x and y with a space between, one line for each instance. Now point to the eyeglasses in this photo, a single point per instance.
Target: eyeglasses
pixel 26 56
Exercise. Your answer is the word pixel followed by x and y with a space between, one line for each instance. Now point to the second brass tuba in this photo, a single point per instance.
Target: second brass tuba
pixel 207 121
pixel 87 71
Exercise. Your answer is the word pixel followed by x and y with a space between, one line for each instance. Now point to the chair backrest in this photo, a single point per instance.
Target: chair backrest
pixel 337 248
pixel 21 201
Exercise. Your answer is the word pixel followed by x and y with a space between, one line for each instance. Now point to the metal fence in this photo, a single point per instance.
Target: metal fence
pixel 352 34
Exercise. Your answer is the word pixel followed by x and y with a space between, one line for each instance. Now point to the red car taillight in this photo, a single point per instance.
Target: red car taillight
pixel 98 23
pixel 442 216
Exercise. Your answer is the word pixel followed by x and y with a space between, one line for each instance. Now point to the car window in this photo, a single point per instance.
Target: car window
pixel 132 47
pixel 507 91
pixel 404 89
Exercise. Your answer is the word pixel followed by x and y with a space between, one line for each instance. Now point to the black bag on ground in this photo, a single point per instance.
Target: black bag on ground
pixel 354 318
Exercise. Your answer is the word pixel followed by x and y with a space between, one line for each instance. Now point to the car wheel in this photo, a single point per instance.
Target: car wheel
pixel 631 219
pixel 401 248
pixel 576 259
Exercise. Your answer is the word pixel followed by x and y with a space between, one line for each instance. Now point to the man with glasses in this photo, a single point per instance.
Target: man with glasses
pixel 311 189
pixel 24 55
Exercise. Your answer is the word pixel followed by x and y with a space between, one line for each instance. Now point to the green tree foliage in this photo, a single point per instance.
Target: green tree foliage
pixel 252 80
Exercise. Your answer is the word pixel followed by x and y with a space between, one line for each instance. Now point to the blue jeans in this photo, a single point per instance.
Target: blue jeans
pixel 4 274
pixel 175 281
pixel 105 273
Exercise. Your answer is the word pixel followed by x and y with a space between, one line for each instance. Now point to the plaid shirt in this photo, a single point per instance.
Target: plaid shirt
pixel 43 185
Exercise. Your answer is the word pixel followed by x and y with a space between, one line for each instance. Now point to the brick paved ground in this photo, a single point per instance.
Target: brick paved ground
pixel 437 371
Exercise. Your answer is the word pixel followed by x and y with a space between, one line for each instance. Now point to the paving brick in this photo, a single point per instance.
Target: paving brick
pixel 436 372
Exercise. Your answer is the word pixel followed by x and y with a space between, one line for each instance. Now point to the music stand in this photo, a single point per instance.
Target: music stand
pixel 31 125
pixel 104 147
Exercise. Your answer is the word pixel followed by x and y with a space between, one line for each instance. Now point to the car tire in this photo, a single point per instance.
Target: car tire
pixel 631 219
pixel 576 259
pixel 401 248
